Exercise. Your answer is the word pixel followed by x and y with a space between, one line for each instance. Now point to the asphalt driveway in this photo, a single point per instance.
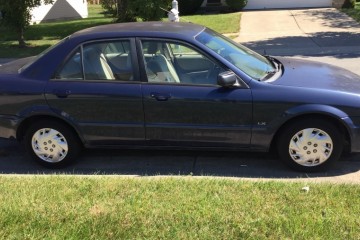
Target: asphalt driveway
pixel 306 32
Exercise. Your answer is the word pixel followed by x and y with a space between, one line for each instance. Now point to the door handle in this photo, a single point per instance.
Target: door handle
pixel 160 96
pixel 62 93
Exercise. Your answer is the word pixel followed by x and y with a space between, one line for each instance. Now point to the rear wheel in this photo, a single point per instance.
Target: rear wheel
pixel 310 145
pixel 52 144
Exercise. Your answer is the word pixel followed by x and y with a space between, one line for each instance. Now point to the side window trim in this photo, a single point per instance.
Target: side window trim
pixel 82 61
pixel 135 60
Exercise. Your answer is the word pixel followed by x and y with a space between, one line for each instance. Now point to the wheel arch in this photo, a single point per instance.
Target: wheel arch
pixel 25 124
pixel 319 116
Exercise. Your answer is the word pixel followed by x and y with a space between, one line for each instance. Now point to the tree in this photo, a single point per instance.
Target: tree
pixel 17 15
pixel 119 9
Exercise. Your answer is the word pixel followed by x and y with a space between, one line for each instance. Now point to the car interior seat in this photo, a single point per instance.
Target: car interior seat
pixel 96 66
pixel 121 65
pixel 159 69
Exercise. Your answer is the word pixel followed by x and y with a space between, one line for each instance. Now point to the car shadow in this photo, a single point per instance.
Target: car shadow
pixel 169 163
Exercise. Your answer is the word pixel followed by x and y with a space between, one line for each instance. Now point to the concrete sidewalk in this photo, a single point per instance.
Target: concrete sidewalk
pixel 307 32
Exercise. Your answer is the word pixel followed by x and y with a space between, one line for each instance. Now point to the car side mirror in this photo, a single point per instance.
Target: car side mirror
pixel 227 79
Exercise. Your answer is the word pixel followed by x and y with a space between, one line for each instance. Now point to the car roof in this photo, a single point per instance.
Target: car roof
pixel 143 29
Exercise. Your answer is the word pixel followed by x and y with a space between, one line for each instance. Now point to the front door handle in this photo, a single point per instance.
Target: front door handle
pixel 160 96
pixel 62 93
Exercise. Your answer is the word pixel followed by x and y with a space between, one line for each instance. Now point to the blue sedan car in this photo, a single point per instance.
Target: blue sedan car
pixel 180 86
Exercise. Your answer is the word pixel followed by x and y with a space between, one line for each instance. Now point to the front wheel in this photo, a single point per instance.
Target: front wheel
pixel 51 144
pixel 310 145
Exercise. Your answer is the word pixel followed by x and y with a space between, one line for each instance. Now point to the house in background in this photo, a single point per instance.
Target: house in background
pixel 60 10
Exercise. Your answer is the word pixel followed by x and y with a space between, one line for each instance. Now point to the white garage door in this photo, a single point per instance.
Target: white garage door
pixel 268 4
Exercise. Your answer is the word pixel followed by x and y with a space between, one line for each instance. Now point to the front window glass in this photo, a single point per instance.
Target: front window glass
pixel 170 62
pixel 253 64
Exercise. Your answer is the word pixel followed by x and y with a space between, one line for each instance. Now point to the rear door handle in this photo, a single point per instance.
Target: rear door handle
pixel 160 96
pixel 62 93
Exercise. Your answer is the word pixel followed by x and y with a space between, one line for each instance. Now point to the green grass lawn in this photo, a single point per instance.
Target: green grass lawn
pixel 354 13
pixel 41 36
pixel 223 23
pixel 110 207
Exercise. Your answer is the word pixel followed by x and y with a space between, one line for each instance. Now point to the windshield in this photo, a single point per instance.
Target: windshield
pixel 248 61
pixel 42 54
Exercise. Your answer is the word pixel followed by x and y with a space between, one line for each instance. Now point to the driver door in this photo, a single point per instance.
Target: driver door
pixel 189 108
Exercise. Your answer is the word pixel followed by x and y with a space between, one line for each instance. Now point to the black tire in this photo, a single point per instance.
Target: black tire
pixel 309 154
pixel 59 145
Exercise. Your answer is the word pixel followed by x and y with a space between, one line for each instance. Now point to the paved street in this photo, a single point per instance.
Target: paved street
pixel 13 160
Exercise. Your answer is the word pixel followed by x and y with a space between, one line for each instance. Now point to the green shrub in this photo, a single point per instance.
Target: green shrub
pixel 149 10
pixel 349 4
pixel 188 7
pixel 236 5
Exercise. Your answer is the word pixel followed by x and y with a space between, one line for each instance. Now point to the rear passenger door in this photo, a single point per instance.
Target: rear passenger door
pixel 98 90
